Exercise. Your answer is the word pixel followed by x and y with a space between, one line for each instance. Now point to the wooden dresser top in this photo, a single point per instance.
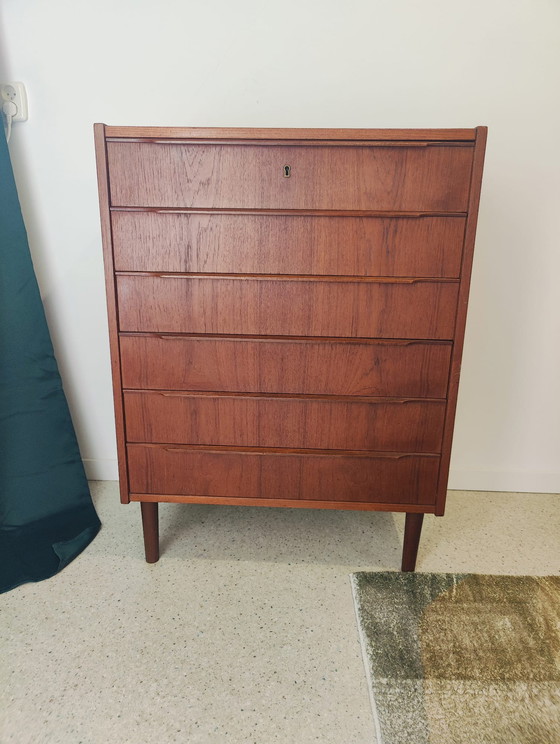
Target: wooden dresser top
pixel 242 133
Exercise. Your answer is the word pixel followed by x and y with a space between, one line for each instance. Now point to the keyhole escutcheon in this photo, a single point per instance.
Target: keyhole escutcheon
pixel 287 171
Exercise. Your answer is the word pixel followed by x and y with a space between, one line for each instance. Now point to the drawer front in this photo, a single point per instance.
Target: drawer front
pixel 409 479
pixel 321 367
pixel 280 244
pixel 416 178
pixel 292 307
pixel 388 426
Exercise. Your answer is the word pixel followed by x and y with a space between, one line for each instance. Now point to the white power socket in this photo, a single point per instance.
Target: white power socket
pixel 15 92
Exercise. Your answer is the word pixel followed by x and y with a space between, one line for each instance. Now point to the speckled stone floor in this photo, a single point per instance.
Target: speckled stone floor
pixel 243 633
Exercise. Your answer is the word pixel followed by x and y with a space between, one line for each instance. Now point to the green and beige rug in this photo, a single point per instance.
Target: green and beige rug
pixel 461 658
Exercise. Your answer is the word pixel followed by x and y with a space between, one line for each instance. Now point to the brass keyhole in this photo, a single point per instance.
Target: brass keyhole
pixel 287 171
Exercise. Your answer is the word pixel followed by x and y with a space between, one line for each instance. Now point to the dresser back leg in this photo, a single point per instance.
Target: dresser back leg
pixel 412 530
pixel 150 527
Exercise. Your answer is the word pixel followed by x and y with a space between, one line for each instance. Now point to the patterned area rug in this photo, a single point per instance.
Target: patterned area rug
pixel 461 658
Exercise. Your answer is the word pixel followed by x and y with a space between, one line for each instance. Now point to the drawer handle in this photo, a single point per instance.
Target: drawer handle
pixel 287 171
pixel 308 453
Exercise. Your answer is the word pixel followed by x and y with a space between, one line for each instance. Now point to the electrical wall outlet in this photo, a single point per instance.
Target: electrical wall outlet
pixel 15 92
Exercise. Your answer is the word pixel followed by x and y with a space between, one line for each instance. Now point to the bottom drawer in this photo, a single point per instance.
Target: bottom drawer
pixel 266 474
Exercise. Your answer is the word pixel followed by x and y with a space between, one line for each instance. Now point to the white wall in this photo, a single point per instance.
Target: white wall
pixel 318 63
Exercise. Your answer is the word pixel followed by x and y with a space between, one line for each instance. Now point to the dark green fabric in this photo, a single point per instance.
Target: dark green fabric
pixel 46 514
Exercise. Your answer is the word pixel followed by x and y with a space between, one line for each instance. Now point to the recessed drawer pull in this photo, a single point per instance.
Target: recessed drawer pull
pixel 309 278
pixel 292 452
pixel 374 399
pixel 285 212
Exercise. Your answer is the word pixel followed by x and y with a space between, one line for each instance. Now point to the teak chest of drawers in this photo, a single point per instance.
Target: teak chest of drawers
pixel 287 310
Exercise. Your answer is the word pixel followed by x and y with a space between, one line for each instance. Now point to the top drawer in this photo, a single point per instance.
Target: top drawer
pixel 419 177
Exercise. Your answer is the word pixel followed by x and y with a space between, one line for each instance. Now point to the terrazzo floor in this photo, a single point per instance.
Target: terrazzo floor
pixel 243 633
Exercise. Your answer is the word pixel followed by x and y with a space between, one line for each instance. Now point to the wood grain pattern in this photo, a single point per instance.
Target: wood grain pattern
pixel 103 189
pixel 283 475
pixel 307 423
pixel 278 244
pixel 287 341
pixel 461 317
pixel 322 367
pixel 281 306
pixel 412 532
pixel 221 175
pixel 274 133
pixel 282 503
pixel 150 527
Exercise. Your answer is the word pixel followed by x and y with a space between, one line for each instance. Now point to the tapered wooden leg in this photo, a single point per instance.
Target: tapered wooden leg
pixel 150 527
pixel 412 530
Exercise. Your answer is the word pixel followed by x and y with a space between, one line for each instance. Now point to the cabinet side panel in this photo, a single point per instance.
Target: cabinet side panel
pixel 455 371
pixel 103 184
